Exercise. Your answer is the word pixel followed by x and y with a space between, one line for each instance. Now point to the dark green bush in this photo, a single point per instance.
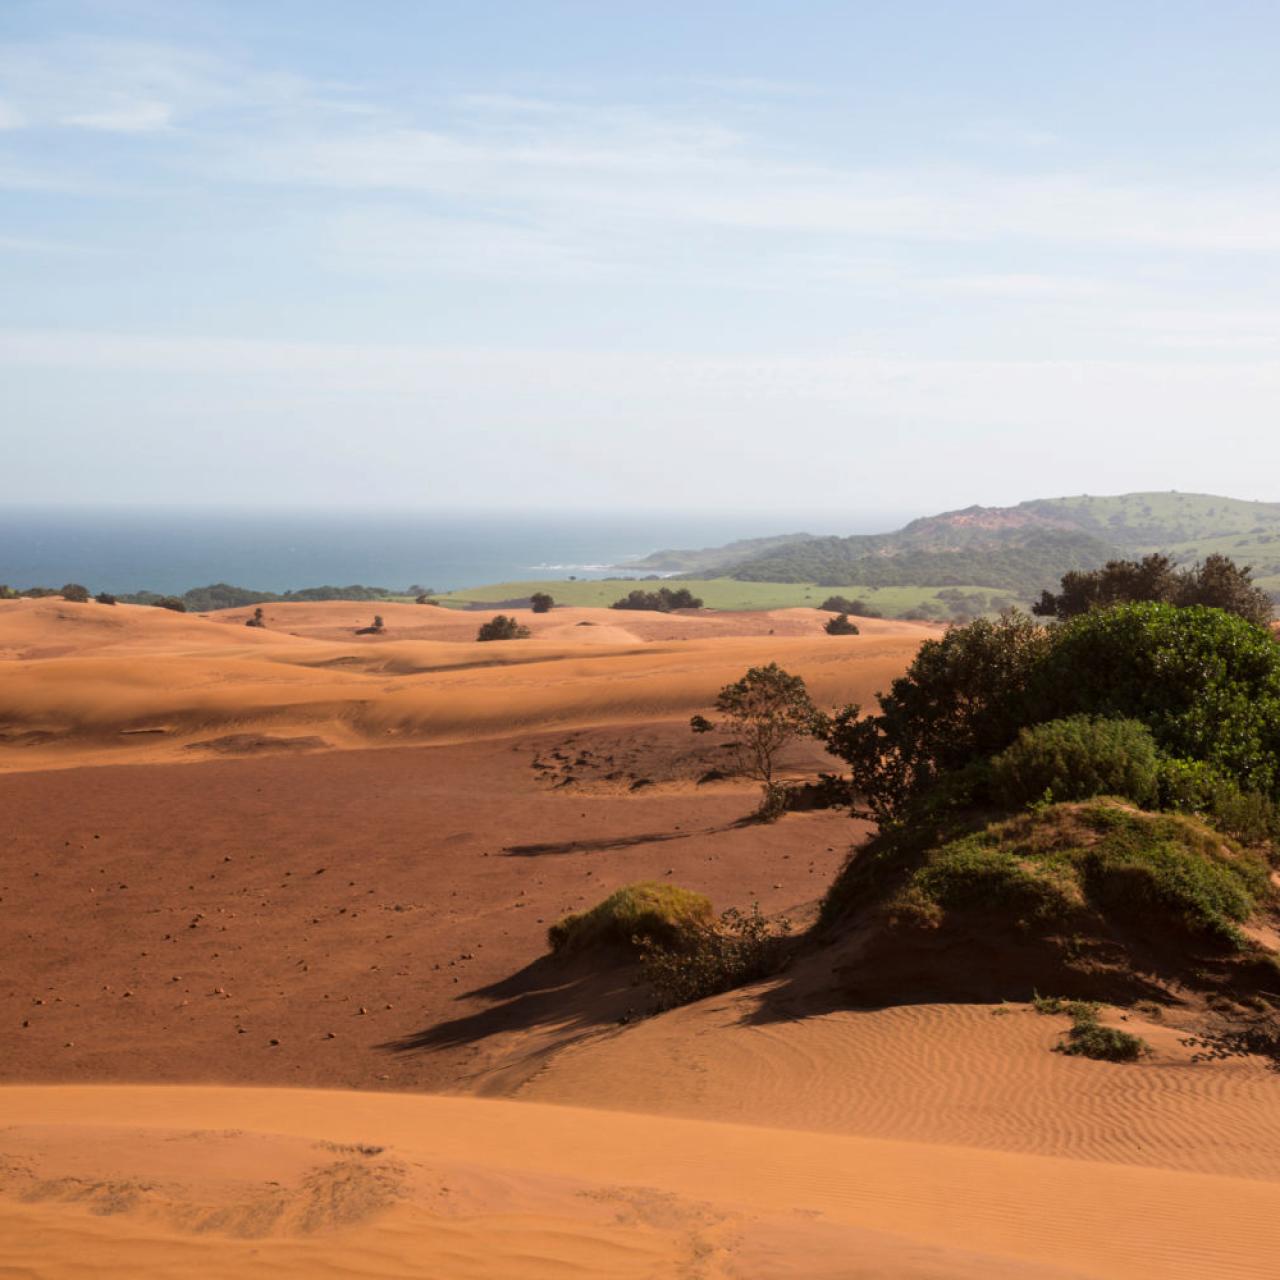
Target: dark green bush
pixel 74 592
pixel 1106 1044
pixel 1076 759
pixel 502 627
pixel 841 626
pixel 541 602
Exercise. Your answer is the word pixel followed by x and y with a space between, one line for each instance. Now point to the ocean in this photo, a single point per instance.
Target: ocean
pixel 172 550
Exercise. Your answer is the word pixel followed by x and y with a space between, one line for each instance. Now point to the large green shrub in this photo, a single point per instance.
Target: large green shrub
pixel 1076 759
pixel 1206 683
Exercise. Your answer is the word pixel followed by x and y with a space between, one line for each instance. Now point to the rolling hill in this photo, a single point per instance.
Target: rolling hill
pixel 1025 548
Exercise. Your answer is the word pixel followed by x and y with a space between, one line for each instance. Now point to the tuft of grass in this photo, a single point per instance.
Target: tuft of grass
pixel 636 914
pixel 1076 1010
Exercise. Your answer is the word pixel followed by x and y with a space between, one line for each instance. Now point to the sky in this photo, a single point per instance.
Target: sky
pixel 880 257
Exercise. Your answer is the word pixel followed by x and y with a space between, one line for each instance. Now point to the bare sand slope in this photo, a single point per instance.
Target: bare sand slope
pixel 90 684
pixel 970 1075
pixel 291 919
pixel 225 1182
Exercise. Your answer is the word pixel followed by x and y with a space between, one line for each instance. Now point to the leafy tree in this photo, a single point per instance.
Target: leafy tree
pixel 841 626
pixel 74 592
pixel 502 628
pixel 963 698
pixel 766 709
pixel 540 602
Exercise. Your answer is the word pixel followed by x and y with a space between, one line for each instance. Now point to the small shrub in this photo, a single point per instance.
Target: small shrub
pixel 258 620
pixel 1087 1037
pixel 74 592
pixel 175 604
pixel 541 602
pixel 841 626
pixel 662 914
pixel 741 947
pixel 1076 759
pixel 1107 1044
pixel 700 724
pixel 502 628
pixel 105 597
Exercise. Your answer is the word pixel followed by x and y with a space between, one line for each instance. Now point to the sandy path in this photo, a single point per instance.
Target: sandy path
pixel 677 1183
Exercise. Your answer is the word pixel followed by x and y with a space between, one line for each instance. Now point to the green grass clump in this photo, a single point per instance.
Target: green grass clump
pixel 645 912
pixel 1101 861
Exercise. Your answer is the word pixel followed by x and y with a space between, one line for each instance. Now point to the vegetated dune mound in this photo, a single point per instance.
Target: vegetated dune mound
pixel 88 683
pixel 1091 899
pixel 217 1182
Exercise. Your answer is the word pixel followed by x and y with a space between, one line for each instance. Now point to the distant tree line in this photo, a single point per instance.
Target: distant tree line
pixel 664 600
pixel 1219 583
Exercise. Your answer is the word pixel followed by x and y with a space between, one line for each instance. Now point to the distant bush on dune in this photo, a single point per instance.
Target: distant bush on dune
pixel 74 592
pixel 841 626
pixel 664 600
pixel 105 597
pixel 502 628
pixel 541 602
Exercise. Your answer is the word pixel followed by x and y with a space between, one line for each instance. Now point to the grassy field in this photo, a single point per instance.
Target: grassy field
pixel 716 593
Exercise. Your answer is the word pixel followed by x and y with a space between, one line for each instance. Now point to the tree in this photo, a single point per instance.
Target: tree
pixel 766 709
pixel 841 626
pixel 502 628
pixel 1219 582
pixel 74 592
pixel 963 698
pixel 105 597
pixel 257 620
pixel 540 602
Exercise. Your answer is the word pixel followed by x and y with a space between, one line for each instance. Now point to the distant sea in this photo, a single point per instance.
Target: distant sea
pixel 172 550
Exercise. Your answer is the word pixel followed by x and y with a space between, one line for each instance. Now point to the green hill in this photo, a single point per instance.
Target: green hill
pixel 1029 547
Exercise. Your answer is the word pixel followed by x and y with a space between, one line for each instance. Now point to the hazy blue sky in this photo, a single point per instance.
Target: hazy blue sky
pixel 897 256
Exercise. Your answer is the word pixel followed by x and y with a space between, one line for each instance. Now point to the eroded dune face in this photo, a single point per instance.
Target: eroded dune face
pixel 88 683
